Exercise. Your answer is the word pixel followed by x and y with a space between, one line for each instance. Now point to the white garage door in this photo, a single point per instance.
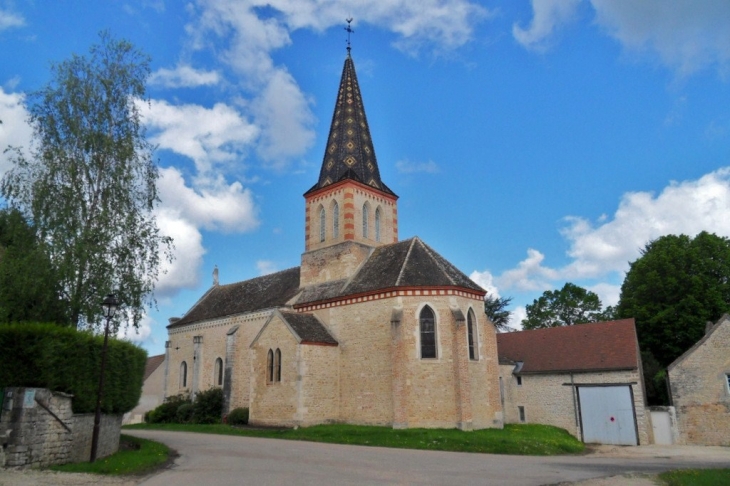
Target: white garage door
pixel 607 415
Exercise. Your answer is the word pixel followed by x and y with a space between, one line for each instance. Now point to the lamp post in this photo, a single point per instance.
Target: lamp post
pixel 109 308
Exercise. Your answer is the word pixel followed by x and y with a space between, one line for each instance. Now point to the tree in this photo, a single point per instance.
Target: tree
pixel 495 308
pixel 89 183
pixel 673 289
pixel 29 289
pixel 565 307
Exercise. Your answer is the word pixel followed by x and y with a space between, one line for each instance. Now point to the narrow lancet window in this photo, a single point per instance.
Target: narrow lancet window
pixel 322 224
pixel 335 221
pixel 365 220
pixel 427 323
pixel 472 336
pixel 377 225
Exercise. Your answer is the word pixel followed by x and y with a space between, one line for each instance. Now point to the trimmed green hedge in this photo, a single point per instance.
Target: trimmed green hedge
pixel 63 359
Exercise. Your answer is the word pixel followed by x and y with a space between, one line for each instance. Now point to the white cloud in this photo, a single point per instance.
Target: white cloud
pixel 184 271
pixel 548 16
pixel 529 275
pixel 407 167
pixel 14 129
pixel 485 280
pixel 138 335
pixel 9 19
pixel 266 267
pixel 184 76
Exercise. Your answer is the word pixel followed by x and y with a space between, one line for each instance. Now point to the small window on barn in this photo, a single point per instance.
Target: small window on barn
pixel 277 365
pixel 427 324
pixel 521 412
pixel 218 373
pixel 183 374
pixel 519 380
pixel 270 367
pixel 472 336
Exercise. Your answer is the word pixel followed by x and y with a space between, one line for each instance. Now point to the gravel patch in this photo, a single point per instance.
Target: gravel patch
pixel 31 477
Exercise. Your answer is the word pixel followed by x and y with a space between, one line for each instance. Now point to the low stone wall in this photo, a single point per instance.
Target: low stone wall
pixel 38 429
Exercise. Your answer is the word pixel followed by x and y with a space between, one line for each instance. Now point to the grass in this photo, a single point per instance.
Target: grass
pixel 696 477
pixel 135 456
pixel 528 439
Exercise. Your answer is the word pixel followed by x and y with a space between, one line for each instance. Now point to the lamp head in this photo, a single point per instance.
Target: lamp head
pixel 109 306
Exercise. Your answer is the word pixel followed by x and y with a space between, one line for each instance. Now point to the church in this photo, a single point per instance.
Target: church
pixel 368 330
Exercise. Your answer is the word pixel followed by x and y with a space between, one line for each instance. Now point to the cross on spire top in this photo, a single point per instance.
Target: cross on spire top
pixel 349 31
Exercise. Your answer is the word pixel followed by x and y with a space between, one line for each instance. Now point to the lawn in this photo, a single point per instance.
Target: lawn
pixel 696 477
pixel 529 439
pixel 135 456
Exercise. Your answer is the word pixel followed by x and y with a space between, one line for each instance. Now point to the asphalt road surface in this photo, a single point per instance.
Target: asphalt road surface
pixel 212 460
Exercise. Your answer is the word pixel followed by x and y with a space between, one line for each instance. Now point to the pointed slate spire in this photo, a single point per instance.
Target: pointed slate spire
pixel 350 153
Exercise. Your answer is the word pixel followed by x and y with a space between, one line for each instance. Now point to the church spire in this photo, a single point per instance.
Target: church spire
pixel 350 153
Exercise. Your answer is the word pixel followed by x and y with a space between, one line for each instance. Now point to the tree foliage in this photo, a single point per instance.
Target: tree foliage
pixel 673 289
pixel 89 181
pixel 565 307
pixel 496 309
pixel 29 289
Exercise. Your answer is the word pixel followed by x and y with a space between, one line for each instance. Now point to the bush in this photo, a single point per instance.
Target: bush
pixel 166 413
pixel 184 413
pixel 238 416
pixel 208 406
pixel 66 360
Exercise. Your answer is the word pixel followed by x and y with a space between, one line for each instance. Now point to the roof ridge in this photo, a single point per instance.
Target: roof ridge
pixel 405 260
pixel 431 252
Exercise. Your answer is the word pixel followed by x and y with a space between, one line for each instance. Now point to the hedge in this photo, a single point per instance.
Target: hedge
pixel 66 360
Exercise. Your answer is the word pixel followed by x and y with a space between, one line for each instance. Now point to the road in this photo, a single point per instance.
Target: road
pixel 213 460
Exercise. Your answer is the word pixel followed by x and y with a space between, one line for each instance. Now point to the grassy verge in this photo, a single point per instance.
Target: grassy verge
pixel 531 439
pixel 696 477
pixel 135 456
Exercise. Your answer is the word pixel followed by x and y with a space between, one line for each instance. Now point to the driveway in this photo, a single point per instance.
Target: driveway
pixel 213 460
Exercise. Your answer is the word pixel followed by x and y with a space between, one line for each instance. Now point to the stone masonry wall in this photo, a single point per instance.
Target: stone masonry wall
pixel 548 400
pixel 44 431
pixel 701 393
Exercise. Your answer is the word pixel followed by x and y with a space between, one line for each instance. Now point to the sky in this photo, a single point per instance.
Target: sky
pixel 531 143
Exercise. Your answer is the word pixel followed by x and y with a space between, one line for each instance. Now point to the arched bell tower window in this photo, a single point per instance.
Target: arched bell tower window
pixel 377 225
pixel 335 220
pixel 365 219
pixel 322 224
pixel 427 325
pixel 472 335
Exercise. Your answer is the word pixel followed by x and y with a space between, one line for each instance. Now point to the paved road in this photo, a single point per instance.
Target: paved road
pixel 213 460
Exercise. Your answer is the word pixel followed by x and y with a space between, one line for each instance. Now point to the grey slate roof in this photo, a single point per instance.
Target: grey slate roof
pixel 350 153
pixel 308 328
pixel 267 292
pixel 408 263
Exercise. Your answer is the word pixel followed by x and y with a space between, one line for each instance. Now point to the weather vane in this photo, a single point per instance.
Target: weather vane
pixel 349 31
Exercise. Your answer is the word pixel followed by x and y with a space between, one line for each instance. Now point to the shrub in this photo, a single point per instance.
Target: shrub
pixel 66 360
pixel 238 416
pixel 184 413
pixel 166 413
pixel 208 406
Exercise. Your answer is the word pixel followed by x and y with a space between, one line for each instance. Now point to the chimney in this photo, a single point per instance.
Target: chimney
pixel 215 276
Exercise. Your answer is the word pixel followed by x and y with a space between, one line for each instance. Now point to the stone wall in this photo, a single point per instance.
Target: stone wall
pixel 549 399
pixel 700 389
pixel 41 429
pixel 151 398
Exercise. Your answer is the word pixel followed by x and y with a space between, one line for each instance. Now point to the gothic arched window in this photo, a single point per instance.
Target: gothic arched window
pixel 335 220
pixel 183 374
pixel 322 224
pixel 471 333
pixel 218 373
pixel 365 219
pixel 270 367
pixel 377 224
pixel 277 365
pixel 427 325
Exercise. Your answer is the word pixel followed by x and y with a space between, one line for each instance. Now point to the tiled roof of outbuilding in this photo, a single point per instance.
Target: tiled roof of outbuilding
pixel 267 292
pixel 153 362
pixel 595 346
pixel 308 328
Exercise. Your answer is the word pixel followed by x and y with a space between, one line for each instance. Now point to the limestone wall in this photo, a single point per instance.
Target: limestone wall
pixel 43 430
pixel 151 398
pixel 549 398
pixel 701 392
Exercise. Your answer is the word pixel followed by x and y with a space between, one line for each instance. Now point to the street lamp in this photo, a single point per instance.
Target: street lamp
pixel 109 308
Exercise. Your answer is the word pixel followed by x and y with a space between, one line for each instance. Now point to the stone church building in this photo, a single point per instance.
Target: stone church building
pixel 368 330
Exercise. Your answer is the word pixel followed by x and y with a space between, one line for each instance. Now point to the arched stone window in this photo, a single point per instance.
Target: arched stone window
pixel 377 224
pixel 472 337
pixel 218 373
pixel 277 365
pixel 427 325
pixel 183 374
pixel 270 367
pixel 322 224
pixel 335 220
pixel 365 219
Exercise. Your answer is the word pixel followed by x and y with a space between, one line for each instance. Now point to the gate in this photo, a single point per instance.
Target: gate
pixel 607 414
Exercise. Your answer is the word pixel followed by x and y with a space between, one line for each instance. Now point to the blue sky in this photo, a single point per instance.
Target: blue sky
pixel 531 143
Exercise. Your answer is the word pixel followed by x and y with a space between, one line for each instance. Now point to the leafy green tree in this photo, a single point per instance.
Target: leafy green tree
pixel 495 308
pixel 673 289
pixel 565 307
pixel 29 289
pixel 89 183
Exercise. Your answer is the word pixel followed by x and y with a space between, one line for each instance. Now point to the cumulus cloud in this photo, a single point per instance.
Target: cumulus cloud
pixel 138 335
pixel 548 16
pixel 14 129
pixel 408 167
pixel 687 37
pixel 184 76
pixel 9 19
pixel 606 247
